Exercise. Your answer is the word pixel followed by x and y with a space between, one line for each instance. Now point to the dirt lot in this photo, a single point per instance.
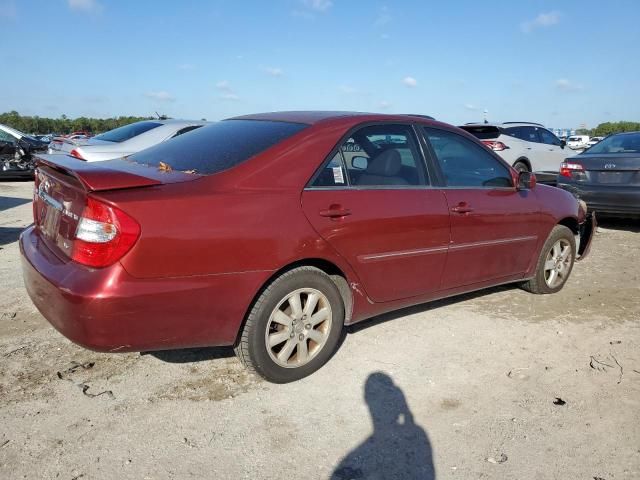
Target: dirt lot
pixel 498 384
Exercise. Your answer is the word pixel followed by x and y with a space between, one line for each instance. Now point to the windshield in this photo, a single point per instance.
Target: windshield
pixel 121 134
pixel 217 147
pixel 620 143
pixel 575 139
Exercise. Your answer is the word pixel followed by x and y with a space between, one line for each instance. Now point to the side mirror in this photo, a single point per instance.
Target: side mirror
pixel 526 180
pixel 563 143
pixel 360 163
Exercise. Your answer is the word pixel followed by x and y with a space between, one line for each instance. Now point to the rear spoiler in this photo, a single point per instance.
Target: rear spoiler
pixel 112 174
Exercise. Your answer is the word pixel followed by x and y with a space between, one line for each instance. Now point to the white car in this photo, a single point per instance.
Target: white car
pixel 594 140
pixel 526 146
pixel 578 142
pixel 122 141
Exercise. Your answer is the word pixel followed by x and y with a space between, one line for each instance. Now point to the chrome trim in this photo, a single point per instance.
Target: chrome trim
pixel 503 241
pixel 404 253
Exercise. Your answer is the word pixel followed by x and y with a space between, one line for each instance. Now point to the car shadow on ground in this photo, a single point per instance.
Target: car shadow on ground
pixel 424 307
pixel 9 234
pixel 9 202
pixel 203 354
pixel 619 223
pixel 190 355
pixel 397 448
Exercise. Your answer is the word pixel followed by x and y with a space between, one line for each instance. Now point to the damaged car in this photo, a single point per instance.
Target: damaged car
pixel 16 153
pixel 271 232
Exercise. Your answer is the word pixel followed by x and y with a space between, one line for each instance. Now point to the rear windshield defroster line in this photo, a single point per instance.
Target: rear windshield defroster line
pixel 219 146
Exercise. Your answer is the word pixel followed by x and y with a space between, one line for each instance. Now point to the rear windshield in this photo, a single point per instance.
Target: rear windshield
pixel 482 132
pixel 623 143
pixel 219 146
pixel 121 134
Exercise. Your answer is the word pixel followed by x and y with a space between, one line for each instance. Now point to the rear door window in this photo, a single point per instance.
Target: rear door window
pixel 219 146
pixel 528 134
pixel 466 164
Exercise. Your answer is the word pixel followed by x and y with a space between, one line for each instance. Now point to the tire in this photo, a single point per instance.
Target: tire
pixel 283 315
pixel 521 166
pixel 555 262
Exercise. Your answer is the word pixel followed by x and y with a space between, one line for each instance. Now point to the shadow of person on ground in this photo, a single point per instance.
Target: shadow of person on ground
pixel 398 448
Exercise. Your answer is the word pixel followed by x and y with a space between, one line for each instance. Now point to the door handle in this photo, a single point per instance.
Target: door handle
pixel 462 208
pixel 335 211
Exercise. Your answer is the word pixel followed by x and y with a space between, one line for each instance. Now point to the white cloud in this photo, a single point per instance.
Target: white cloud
pixel 347 89
pixel 318 5
pixel 274 71
pixel 410 82
pixel 224 86
pixel 567 86
pixel 384 17
pixel 160 96
pixel 384 105
pixel 227 92
pixel 8 11
pixel 230 96
pixel 186 66
pixel 89 6
pixel 470 106
pixel 543 20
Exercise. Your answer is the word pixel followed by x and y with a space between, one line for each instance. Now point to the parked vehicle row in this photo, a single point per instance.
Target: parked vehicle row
pixel 16 153
pixel 122 141
pixel 607 175
pixel 271 232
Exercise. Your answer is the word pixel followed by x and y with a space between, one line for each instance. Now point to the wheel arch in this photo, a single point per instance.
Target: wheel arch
pixel 524 160
pixel 336 274
pixel 571 223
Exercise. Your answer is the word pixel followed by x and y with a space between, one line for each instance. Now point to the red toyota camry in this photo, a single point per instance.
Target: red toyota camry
pixel 271 232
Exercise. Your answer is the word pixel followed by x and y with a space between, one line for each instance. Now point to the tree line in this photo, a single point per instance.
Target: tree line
pixel 63 125
pixel 608 128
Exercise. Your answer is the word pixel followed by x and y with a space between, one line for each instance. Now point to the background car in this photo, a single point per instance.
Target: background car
pixel 270 232
pixel 593 140
pixel 16 153
pixel 578 142
pixel 607 176
pixel 122 141
pixel 528 147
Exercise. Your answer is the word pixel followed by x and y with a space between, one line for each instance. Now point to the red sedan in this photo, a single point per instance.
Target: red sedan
pixel 271 232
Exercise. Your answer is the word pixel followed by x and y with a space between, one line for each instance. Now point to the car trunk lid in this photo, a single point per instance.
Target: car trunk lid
pixel 619 169
pixel 64 185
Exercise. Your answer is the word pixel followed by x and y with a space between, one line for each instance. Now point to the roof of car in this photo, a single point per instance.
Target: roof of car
pixel 501 124
pixel 312 117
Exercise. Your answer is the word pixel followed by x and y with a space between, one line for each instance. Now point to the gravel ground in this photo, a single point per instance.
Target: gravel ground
pixel 497 384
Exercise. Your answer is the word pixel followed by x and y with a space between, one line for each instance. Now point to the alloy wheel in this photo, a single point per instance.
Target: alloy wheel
pixel 298 327
pixel 558 263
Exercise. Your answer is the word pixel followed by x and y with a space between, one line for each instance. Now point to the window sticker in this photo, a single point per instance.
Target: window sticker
pixel 337 175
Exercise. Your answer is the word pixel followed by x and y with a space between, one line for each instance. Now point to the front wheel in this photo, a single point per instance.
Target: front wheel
pixel 293 327
pixel 555 262
pixel 521 167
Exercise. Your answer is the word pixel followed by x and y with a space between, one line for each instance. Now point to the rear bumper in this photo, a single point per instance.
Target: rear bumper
pixel 109 310
pixel 607 199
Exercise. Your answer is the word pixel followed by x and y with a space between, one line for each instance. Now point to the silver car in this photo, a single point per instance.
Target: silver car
pixel 122 141
pixel 526 146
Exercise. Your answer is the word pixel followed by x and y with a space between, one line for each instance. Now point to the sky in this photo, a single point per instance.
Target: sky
pixel 560 63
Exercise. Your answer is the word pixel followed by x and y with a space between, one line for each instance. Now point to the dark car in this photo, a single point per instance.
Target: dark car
pixel 271 232
pixel 16 153
pixel 607 175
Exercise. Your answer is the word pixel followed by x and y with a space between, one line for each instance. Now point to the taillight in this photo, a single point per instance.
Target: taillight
pixel 495 145
pixel 75 153
pixel 104 235
pixel 566 168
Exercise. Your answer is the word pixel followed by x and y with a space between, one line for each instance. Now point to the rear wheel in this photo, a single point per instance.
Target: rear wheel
pixel 293 327
pixel 555 262
pixel 521 166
